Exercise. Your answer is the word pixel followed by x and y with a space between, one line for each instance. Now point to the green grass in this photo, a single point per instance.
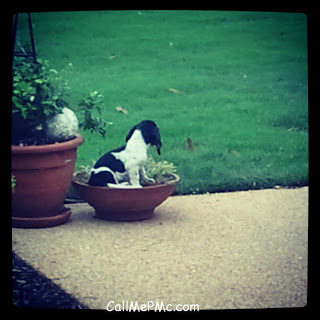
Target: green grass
pixel 243 78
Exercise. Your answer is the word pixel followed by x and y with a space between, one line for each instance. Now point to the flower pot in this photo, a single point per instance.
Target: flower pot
pixel 43 175
pixel 125 204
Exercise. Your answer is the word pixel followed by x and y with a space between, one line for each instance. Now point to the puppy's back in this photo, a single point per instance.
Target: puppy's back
pixel 108 160
pixel 109 165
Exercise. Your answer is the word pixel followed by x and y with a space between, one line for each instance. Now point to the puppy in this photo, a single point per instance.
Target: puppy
pixel 121 168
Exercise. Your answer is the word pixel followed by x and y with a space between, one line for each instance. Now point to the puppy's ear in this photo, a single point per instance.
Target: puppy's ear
pixel 156 134
pixel 157 139
pixel 130 133
pixel 159 149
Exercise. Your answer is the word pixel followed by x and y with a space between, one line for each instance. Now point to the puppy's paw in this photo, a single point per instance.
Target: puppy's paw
pixel 136 186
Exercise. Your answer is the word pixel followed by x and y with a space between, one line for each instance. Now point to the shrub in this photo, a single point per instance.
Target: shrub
pixel 38 95
pixel 38 91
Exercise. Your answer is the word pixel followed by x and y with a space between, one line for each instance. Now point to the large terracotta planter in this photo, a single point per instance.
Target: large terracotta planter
pixel 43 175
pixel 125 204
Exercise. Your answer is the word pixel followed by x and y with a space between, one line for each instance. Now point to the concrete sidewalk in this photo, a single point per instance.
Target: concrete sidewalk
pixel 221 251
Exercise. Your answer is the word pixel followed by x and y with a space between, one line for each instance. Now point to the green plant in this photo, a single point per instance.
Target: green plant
pixel 38 91
pixel 160 171
pixel 92 122
pixel 83 175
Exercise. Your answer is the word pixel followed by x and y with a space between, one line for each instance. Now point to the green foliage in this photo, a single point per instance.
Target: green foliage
pixel 159 171
pixel 83 175
pixel 90 108
pixel 38 91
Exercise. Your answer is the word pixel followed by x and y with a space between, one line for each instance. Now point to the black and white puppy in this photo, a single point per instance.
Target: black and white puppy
pixel 122 167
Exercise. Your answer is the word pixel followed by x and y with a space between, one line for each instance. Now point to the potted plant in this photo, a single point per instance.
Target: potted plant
pixel 44 143
pixel 129 204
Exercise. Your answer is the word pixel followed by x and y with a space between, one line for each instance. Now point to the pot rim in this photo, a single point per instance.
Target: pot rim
pixel 53 147
pixel 170 182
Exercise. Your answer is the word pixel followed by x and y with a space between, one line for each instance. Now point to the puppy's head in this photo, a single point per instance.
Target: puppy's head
pixel 150 133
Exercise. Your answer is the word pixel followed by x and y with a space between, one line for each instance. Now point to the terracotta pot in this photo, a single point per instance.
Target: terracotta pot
pixel 125 204
pixel 43 175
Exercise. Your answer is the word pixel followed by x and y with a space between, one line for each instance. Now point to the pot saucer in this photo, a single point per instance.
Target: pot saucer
pixel 42 222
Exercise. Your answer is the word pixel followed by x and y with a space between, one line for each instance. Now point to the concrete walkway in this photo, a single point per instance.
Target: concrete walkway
pixel 220 251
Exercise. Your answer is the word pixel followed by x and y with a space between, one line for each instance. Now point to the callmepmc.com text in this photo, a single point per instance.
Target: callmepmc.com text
pixel 150 305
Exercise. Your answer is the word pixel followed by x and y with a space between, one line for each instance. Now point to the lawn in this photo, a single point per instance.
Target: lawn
pixel 240 79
